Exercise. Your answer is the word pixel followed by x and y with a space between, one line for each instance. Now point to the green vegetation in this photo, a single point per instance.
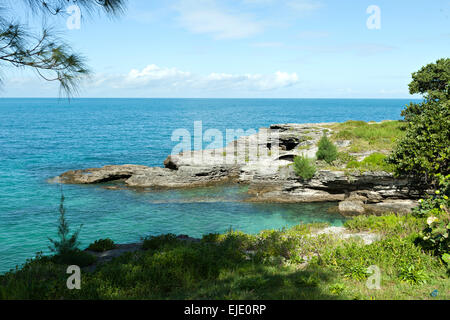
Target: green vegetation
pixel 435 236
pixel 75 257
pixel 66 249
pixel 412 254
pixel 327 150
pixel 304 167
pixel 369 136
pixel 235 265
pixel 102 245
pixel 67 243
pixel 155 242
pixel 374 162
pixel 425 151
pixel 387 225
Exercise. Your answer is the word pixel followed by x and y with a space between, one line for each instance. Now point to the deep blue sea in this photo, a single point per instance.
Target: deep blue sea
pixel 42 138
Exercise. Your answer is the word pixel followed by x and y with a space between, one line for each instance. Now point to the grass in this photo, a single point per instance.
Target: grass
pixel 374 162
pixel 368 136
pixel 235 265
pixel 388 225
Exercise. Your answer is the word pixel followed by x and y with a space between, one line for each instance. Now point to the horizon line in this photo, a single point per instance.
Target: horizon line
pixel 222 98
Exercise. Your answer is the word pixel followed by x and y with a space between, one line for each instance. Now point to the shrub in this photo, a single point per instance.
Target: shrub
pixel 424 151
pixel 66 243
pixel 211 238
pixel 304 167
pixel 102 245
pixel 327 150
pixel 75 257
pixel 446 258
pixel 345 157
pixel 158 242
pixel 436 235
pixel 412 275
pixel 274 243
pixel 437 202
pixel 358 272
pixel 336 288
pixel 66 248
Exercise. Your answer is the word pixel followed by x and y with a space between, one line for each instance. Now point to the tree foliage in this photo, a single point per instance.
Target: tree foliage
pixel 327 150
pixel 425 150
pixel 304 167
pixel 44 52
pixel 67 243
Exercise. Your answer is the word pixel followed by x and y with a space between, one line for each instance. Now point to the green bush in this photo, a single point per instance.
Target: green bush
pixel 337 288
pixel 211 238
pixel 158 242
pixel 76 257
pixel 327 150
pixel 375 162
pixel 102 245
pixel 436 235
pixel 412 275
pixel 304 167
pixel 425 151
pixel 67 243
pixel 66 247
pixel 274 243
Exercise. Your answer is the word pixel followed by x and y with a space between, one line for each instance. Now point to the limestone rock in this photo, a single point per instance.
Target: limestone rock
pixel 99 175
pixel 392 205
pixel 266 167
pixel 351 207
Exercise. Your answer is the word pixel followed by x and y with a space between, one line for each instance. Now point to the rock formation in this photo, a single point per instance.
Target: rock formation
pixel 264 162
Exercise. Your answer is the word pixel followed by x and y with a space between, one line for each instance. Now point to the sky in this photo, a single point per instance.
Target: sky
pixel 250 49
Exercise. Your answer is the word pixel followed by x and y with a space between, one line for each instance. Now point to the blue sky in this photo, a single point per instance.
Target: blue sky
pixel 252 49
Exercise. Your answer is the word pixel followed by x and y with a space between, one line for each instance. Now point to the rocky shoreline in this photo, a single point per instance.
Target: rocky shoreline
pixel 263 161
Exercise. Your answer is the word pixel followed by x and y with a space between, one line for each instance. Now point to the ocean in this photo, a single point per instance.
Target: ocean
pixel 42 138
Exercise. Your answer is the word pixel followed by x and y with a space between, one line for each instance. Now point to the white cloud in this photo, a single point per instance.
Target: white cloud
pixel 206 17
pixel 152 77
pixel 154 73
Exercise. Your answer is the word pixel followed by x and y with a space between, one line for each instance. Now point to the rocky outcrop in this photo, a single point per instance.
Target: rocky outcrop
pixel 349 207
pixel 148 177
pixel 263 161
pixel 100 175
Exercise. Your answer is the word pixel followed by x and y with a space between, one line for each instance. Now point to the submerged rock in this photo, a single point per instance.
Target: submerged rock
pixel 349 207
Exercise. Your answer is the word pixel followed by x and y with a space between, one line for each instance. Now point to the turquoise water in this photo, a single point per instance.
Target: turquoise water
pixel 41 138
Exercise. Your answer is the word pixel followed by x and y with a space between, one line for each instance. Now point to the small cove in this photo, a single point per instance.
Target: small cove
pixel 42 138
